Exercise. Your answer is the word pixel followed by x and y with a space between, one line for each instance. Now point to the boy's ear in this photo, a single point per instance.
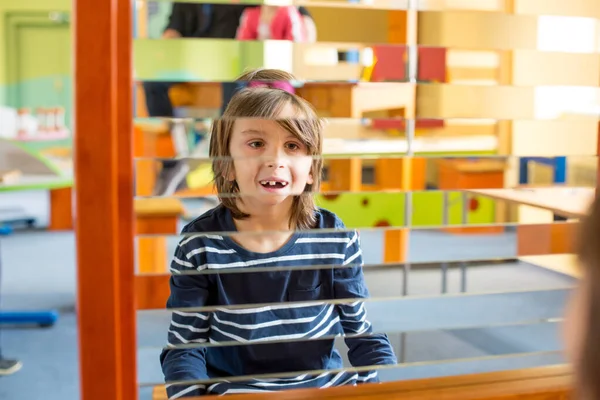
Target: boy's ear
pixel 310 179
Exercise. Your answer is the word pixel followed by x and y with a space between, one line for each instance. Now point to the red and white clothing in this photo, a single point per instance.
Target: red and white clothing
pixel 287 24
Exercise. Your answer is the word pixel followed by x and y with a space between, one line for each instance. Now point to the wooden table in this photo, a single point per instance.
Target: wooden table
pixel 547 244
pixel 564 201
pixel 61 195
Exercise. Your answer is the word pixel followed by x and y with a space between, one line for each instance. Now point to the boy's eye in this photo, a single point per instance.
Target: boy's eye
pixel 292 146
pixel 256 144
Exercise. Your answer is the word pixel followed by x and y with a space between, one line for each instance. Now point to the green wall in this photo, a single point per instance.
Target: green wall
pixel 46 67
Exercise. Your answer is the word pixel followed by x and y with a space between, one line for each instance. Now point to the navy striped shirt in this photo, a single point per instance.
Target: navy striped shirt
pixel 289 323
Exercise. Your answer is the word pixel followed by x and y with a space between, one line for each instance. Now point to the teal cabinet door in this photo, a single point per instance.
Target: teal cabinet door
pixel 39 55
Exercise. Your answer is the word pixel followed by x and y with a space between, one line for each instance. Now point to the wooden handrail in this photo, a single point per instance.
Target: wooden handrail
pixel 543 383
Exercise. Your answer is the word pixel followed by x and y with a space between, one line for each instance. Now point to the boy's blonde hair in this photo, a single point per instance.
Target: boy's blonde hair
pixel 266 74
pixel 267 103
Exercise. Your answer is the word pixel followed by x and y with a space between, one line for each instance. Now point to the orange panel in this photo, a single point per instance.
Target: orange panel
pixel 480 174
pixel 151 291
pixel 146 171
pixel 152 251
pixel 345 175
pixel 61 209
pixel 397 27
pixel 395 246
pixel 471 174
pixel 157 225
pixel 317 95
pixel 540 239
pixel 197 192
pixel 153 142
pixel 152 254
pixel 562 238
pixel 389 173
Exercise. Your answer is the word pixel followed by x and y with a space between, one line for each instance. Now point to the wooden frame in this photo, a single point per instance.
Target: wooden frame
pixel 104 201
pixel 105 211
pixel 542 383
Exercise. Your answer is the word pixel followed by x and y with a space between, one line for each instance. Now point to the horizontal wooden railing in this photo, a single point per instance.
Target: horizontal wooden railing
pixel 543 383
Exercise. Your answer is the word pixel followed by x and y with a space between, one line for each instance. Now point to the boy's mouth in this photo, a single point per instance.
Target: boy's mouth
pixel 273 184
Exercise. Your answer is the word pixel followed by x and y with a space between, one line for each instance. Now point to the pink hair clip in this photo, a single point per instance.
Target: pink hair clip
pixel 281 85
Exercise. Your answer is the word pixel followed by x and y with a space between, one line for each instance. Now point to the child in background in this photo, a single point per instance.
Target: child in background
pixel 266 161
pixel 272 23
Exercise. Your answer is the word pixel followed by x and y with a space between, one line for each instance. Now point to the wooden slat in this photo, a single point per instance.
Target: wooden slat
pixel 571 8
pixel 471 73
pixel 158 207
pixel 474 30
pixel 125 187
pixel 462 101
pixel 104 229
pixel 544 383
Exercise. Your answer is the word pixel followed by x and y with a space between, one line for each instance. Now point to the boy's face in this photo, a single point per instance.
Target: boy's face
pixel 270 164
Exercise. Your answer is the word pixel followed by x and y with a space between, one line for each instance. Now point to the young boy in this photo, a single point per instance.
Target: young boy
pixel 195 20
pixel 266 151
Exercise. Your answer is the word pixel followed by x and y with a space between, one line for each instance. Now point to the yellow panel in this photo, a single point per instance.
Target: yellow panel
pixel 355 25
pixel 539 68
pixel 482 5
pixel 475 74
pixel 573 8
pixel 458 101
pixel 555 137
pixel 477 30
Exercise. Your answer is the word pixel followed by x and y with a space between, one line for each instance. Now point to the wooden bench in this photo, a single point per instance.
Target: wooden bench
pixel 543 383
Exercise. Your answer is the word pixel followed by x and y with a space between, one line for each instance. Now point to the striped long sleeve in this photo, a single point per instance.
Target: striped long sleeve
pixel 349 283
pixel 186 328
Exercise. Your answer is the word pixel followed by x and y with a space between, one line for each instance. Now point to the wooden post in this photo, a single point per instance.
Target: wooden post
pixel 125 186
pixel 104 178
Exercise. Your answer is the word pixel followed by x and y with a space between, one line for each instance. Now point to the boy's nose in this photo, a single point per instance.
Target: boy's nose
pixel 275 158
pixel 274 163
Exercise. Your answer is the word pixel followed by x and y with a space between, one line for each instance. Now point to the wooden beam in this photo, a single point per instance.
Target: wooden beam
pixel 104 204
pixel 541 383
pixel 125 188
